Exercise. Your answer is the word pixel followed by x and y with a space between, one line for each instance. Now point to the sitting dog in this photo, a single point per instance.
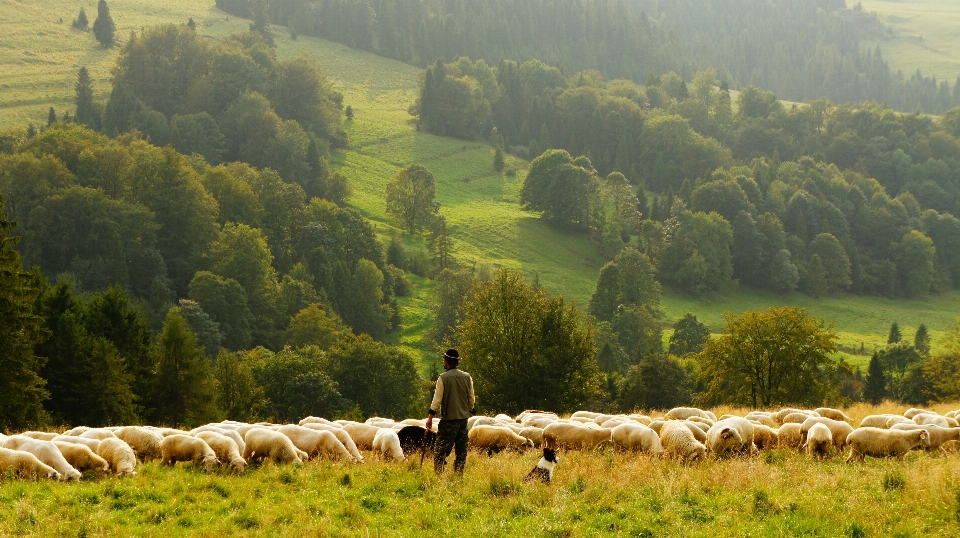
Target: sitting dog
pixel 544 469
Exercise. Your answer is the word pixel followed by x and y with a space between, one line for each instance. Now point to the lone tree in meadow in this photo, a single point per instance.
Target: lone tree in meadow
pixel 81 22
pixel 103 27
pixel 525 349
pixel 410 197
pixel 771 357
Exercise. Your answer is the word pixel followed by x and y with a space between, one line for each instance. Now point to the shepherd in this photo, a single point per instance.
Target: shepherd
pixel 454 401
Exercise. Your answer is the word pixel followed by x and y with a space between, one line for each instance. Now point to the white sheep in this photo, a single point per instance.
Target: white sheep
pixel 761 418
pixel 92 444
pixel 683 413
pixel 698 430
pixel 341 436
pixel 897 419
pixel 636 438
pixel 98 433
pixel 797 417
pixel 765 437
pixel 537 419
pixel 262 443
pixel 534 434
pixel 876 421
pixel 938 436
pixel 833 414
pixel 880 443
pixel 496 438
pixel 782 414
pixel 819 441
pixel 81 458
pixel 642 419
pixel 119 455
pixel 839 430
pixel 913 411
pixel 679 443
pixel 732 435
pixel 25 464
pixel 145 443
pixel 225 448
pixel 315 420
pixel 789 436
pixel 928 419
pixel 45 451
pixel 76 431
pixel 585 414
pixel 43 436
pixel 316 442
pixel 575 436
pixel 387 443
pixel 176 448
pixel 362 434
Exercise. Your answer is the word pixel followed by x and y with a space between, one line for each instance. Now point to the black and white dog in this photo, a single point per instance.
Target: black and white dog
pixel 544 469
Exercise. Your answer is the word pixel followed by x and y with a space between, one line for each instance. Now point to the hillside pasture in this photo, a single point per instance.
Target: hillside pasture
pixel 925 36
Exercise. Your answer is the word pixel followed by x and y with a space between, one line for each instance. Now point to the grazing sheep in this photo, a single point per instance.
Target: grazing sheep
pixel 92 444
pixel 475 421
pixel 880 443
pixel 25 465
pixel 537 419
pixel 600 419
pixel 697 430
pixel 701 420
pixel 839 430
pixel 237 438
pixel 679 443
pixel 732 435
pixel 789 436
pixel 938 436
pixel 928 419
pixel 574 436
pixel 43 436
pixel 656 424
pixel 186 448
pixel 585 414
pixel 99 433
pixel 263 443
pixel 913 411
pixel 225 448
pixel 119 455
pixel 796 418
pixel 765 437
pixel 45 451
pixel 819 441
pixel 387 443
pixel 833 414
pixel 362 434
pixel 345 438
pixel 876 421
pixel 897 419
pixel 581 420
pixel 534 434
pixel 145 443
pixel 612 423
pixel 315 420
pixel 75 431
pixel 493 439
pixel 414 439
pixel 81 458
pixel 683 413
pixel 167 432
pixel 316 443
pixel 761 418
pixel 505 418
pixel 642 419
pixel 636 438
pixel 952 422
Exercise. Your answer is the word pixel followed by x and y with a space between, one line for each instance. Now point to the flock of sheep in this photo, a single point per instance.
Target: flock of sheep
pixel 684 433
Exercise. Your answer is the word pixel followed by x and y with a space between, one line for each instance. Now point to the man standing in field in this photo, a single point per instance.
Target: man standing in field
pixel 454 401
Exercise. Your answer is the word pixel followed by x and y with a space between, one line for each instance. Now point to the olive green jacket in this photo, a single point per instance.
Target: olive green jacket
pixel 454 397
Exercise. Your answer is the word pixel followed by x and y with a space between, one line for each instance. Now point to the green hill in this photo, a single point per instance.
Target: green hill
pixel 485 221
pixel 925 36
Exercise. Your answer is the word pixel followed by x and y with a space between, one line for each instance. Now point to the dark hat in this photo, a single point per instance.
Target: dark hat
pixel 452 355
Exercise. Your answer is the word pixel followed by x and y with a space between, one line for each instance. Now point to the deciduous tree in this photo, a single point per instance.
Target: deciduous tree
pixel 411 197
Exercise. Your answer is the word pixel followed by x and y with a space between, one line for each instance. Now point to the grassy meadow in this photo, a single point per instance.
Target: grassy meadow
pixel 925 35
pixel 42 55
pixel 777 493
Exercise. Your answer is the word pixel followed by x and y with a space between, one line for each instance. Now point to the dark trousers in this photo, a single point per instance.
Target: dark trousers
pixel 450 434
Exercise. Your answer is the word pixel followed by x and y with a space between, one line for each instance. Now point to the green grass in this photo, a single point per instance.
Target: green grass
pixel 925 35
pixel 779 493
pixel 484 218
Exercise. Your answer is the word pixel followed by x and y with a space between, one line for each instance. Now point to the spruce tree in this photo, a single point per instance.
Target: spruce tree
pixel 922 340
pixel 874 389
pixel 103 27
pixel 21 387
pixel 498 159
pixel 81 22
pixel 86 110
pixel 349 112
pixel 185 389
pixel 51 117
pixel 895 335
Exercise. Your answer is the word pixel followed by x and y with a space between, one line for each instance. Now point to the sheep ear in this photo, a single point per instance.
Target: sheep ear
pixel 923 434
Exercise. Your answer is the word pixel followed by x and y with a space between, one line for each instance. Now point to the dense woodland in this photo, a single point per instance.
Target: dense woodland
pixel 800 49
pixel 183 251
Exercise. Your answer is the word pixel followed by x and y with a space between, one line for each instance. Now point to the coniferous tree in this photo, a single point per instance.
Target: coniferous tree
pixel 922 340
pixel 51 117
pixel 81 22
pixel 104 27
pixel 894 336
pixel 192 24
pixel 261 23
pixel 498 159
pixel 86 110
pixel 184 392
pixel 21 387
pixel 348 112
pixel 874 389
